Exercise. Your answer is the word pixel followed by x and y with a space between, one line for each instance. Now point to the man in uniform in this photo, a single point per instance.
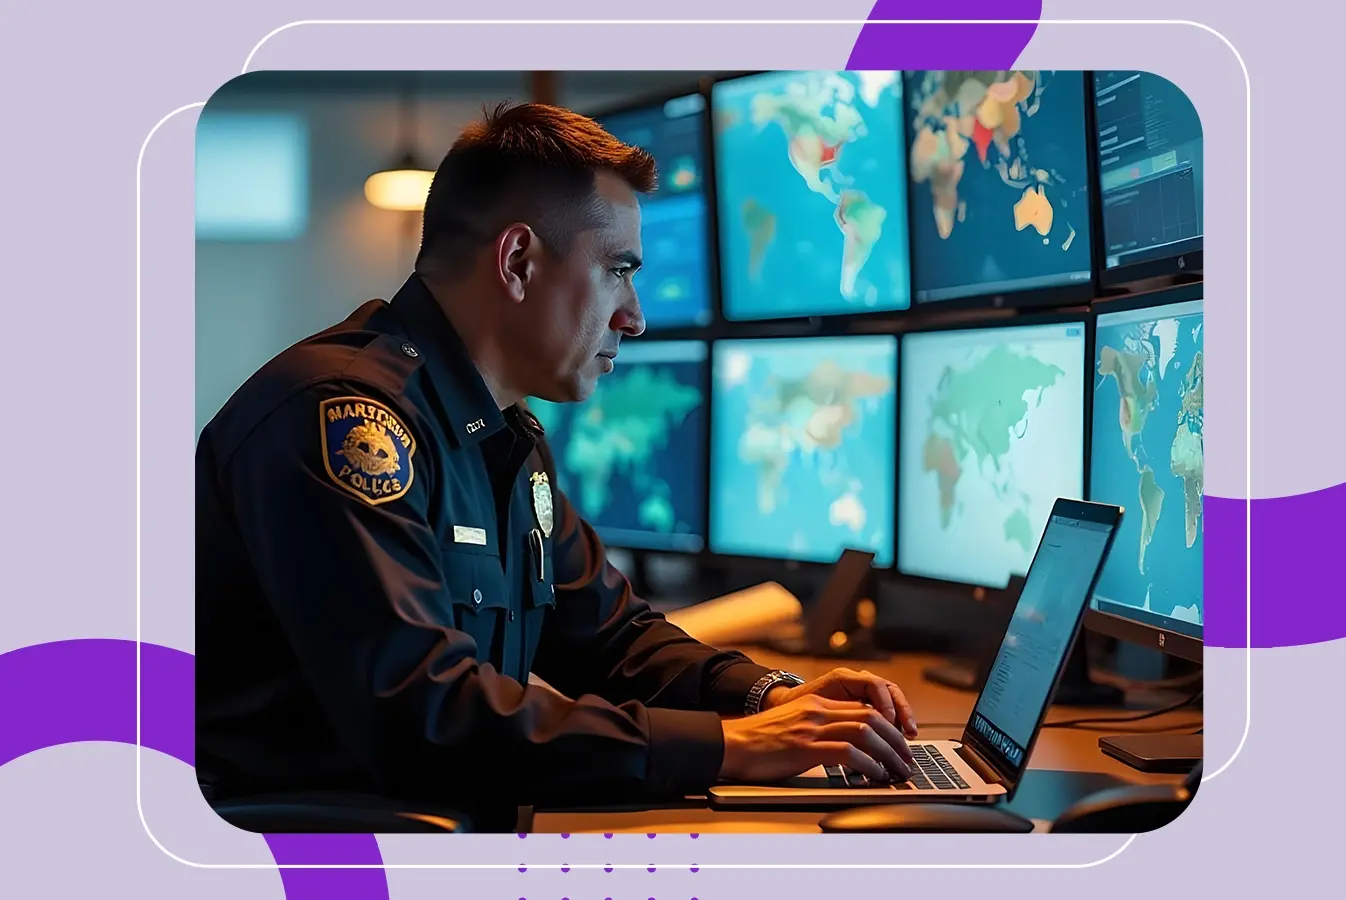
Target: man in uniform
pixel 383 557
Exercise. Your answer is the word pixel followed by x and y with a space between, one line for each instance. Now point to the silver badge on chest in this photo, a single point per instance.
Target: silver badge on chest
pixel 542 507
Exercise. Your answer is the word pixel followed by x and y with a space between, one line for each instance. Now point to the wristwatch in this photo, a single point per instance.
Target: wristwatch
pixel 753 704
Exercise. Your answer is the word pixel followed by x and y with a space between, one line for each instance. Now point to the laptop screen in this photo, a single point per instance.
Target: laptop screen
pixel 1050 607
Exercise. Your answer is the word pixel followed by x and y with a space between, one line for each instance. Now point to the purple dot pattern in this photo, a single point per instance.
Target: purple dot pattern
pixel 84 690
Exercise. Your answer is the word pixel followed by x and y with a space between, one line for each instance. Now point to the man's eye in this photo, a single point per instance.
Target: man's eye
pixel 622 271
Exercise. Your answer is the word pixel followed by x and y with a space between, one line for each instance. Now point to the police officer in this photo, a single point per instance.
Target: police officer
pixel 383 557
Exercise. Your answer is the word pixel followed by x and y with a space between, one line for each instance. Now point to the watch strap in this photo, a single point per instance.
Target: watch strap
pixel 753 704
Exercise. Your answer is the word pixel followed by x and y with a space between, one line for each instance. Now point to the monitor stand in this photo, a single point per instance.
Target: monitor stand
pixel 834 625
pixel 1167 753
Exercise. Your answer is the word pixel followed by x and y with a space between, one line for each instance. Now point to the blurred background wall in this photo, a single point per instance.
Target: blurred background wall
pixel 303 246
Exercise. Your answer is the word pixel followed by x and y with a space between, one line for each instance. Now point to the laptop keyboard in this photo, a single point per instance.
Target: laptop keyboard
pixel 933 773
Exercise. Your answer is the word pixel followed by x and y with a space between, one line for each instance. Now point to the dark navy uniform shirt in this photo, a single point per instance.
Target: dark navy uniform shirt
pixel 377 575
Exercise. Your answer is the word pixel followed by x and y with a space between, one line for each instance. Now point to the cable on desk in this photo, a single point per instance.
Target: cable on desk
pixel 1107 720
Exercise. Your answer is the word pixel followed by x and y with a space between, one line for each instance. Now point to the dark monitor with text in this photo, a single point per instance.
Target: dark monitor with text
pixel 1150 174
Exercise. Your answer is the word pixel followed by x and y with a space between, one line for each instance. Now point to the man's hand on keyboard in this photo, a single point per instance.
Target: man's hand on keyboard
pixel 810 731
pixel 848 684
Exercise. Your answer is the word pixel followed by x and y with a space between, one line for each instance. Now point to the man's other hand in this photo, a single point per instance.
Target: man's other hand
pixel 848 684
pixel 814 730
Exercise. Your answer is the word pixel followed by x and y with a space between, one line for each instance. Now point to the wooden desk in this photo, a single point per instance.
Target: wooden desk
pixel 1066 763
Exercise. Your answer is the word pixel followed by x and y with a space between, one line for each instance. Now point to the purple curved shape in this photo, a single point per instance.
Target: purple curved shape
pixel 1296 593
pixel 1225 562
pixel 330 884
pixel 945 46
pixel 85 690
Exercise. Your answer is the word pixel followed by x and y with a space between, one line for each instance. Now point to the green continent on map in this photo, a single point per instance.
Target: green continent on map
pixel 1186 456
pixel 1136 398
pixel 982 404
pixel 1151 504
pixel 1020 530
pixel 861 222
pixel 980 409
pixel 622 426
pixel 656 511
pixel 760 224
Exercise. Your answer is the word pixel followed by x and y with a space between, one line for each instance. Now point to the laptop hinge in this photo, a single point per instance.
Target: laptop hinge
pixel 984 770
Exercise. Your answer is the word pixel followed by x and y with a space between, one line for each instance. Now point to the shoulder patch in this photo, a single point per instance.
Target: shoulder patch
pixel 367 449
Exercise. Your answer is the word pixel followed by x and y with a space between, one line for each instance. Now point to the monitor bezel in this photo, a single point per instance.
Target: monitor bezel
pixel 819 323
pixel 1025 299
pixel 732 558
pixel 645 102
pixel 1111 624
pixel 1081 315
pixel 1191 262
pixel 1011 775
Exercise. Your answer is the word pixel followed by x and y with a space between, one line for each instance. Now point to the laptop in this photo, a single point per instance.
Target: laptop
pixel 988 762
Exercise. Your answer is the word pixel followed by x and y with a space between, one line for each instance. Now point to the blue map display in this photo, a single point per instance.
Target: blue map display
pixel 802 442
pixel 811 188
pixel 1148 456
pixel 999 182
pixel 675 281
pixel 631 457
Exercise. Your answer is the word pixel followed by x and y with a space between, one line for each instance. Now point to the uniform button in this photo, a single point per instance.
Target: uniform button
pixel 476 596
pixel 409 350
pixel 511 615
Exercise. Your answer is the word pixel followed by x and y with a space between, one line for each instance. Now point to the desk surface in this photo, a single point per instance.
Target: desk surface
pixel 1076 765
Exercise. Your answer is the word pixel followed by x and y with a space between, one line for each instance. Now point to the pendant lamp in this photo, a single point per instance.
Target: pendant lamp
pixel 404 184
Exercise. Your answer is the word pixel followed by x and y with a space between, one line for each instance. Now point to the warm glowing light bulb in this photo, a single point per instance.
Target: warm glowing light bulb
pixel 401 189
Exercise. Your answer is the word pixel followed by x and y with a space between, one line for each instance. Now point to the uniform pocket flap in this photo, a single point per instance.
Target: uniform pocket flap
pixel 474 579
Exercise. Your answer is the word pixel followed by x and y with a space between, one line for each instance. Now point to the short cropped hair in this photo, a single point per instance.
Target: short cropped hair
pixel 532 163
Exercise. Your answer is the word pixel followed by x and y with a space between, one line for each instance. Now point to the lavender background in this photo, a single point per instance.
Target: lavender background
pixel 87 90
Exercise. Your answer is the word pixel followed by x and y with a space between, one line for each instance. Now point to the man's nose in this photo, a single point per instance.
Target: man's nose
pixel 629 319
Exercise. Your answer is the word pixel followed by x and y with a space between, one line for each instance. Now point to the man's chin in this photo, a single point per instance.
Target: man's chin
pixel 576 389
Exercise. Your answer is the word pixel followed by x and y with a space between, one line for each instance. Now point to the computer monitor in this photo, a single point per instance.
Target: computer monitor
pixel 991 434
pixel 811 191
pixel 631 458
pixel 1146 452
pixel 677 280
pixel 802 434
pixel 999 165
pixel 1150 176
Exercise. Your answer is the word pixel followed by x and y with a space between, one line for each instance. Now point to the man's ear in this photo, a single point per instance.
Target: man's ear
pixel 517 251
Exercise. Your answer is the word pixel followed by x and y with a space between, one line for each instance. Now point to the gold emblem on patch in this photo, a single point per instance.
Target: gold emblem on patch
pixel 366 448
pixel 542 502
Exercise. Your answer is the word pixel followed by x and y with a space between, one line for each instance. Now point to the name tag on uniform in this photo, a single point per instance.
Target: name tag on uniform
pixel 463 535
